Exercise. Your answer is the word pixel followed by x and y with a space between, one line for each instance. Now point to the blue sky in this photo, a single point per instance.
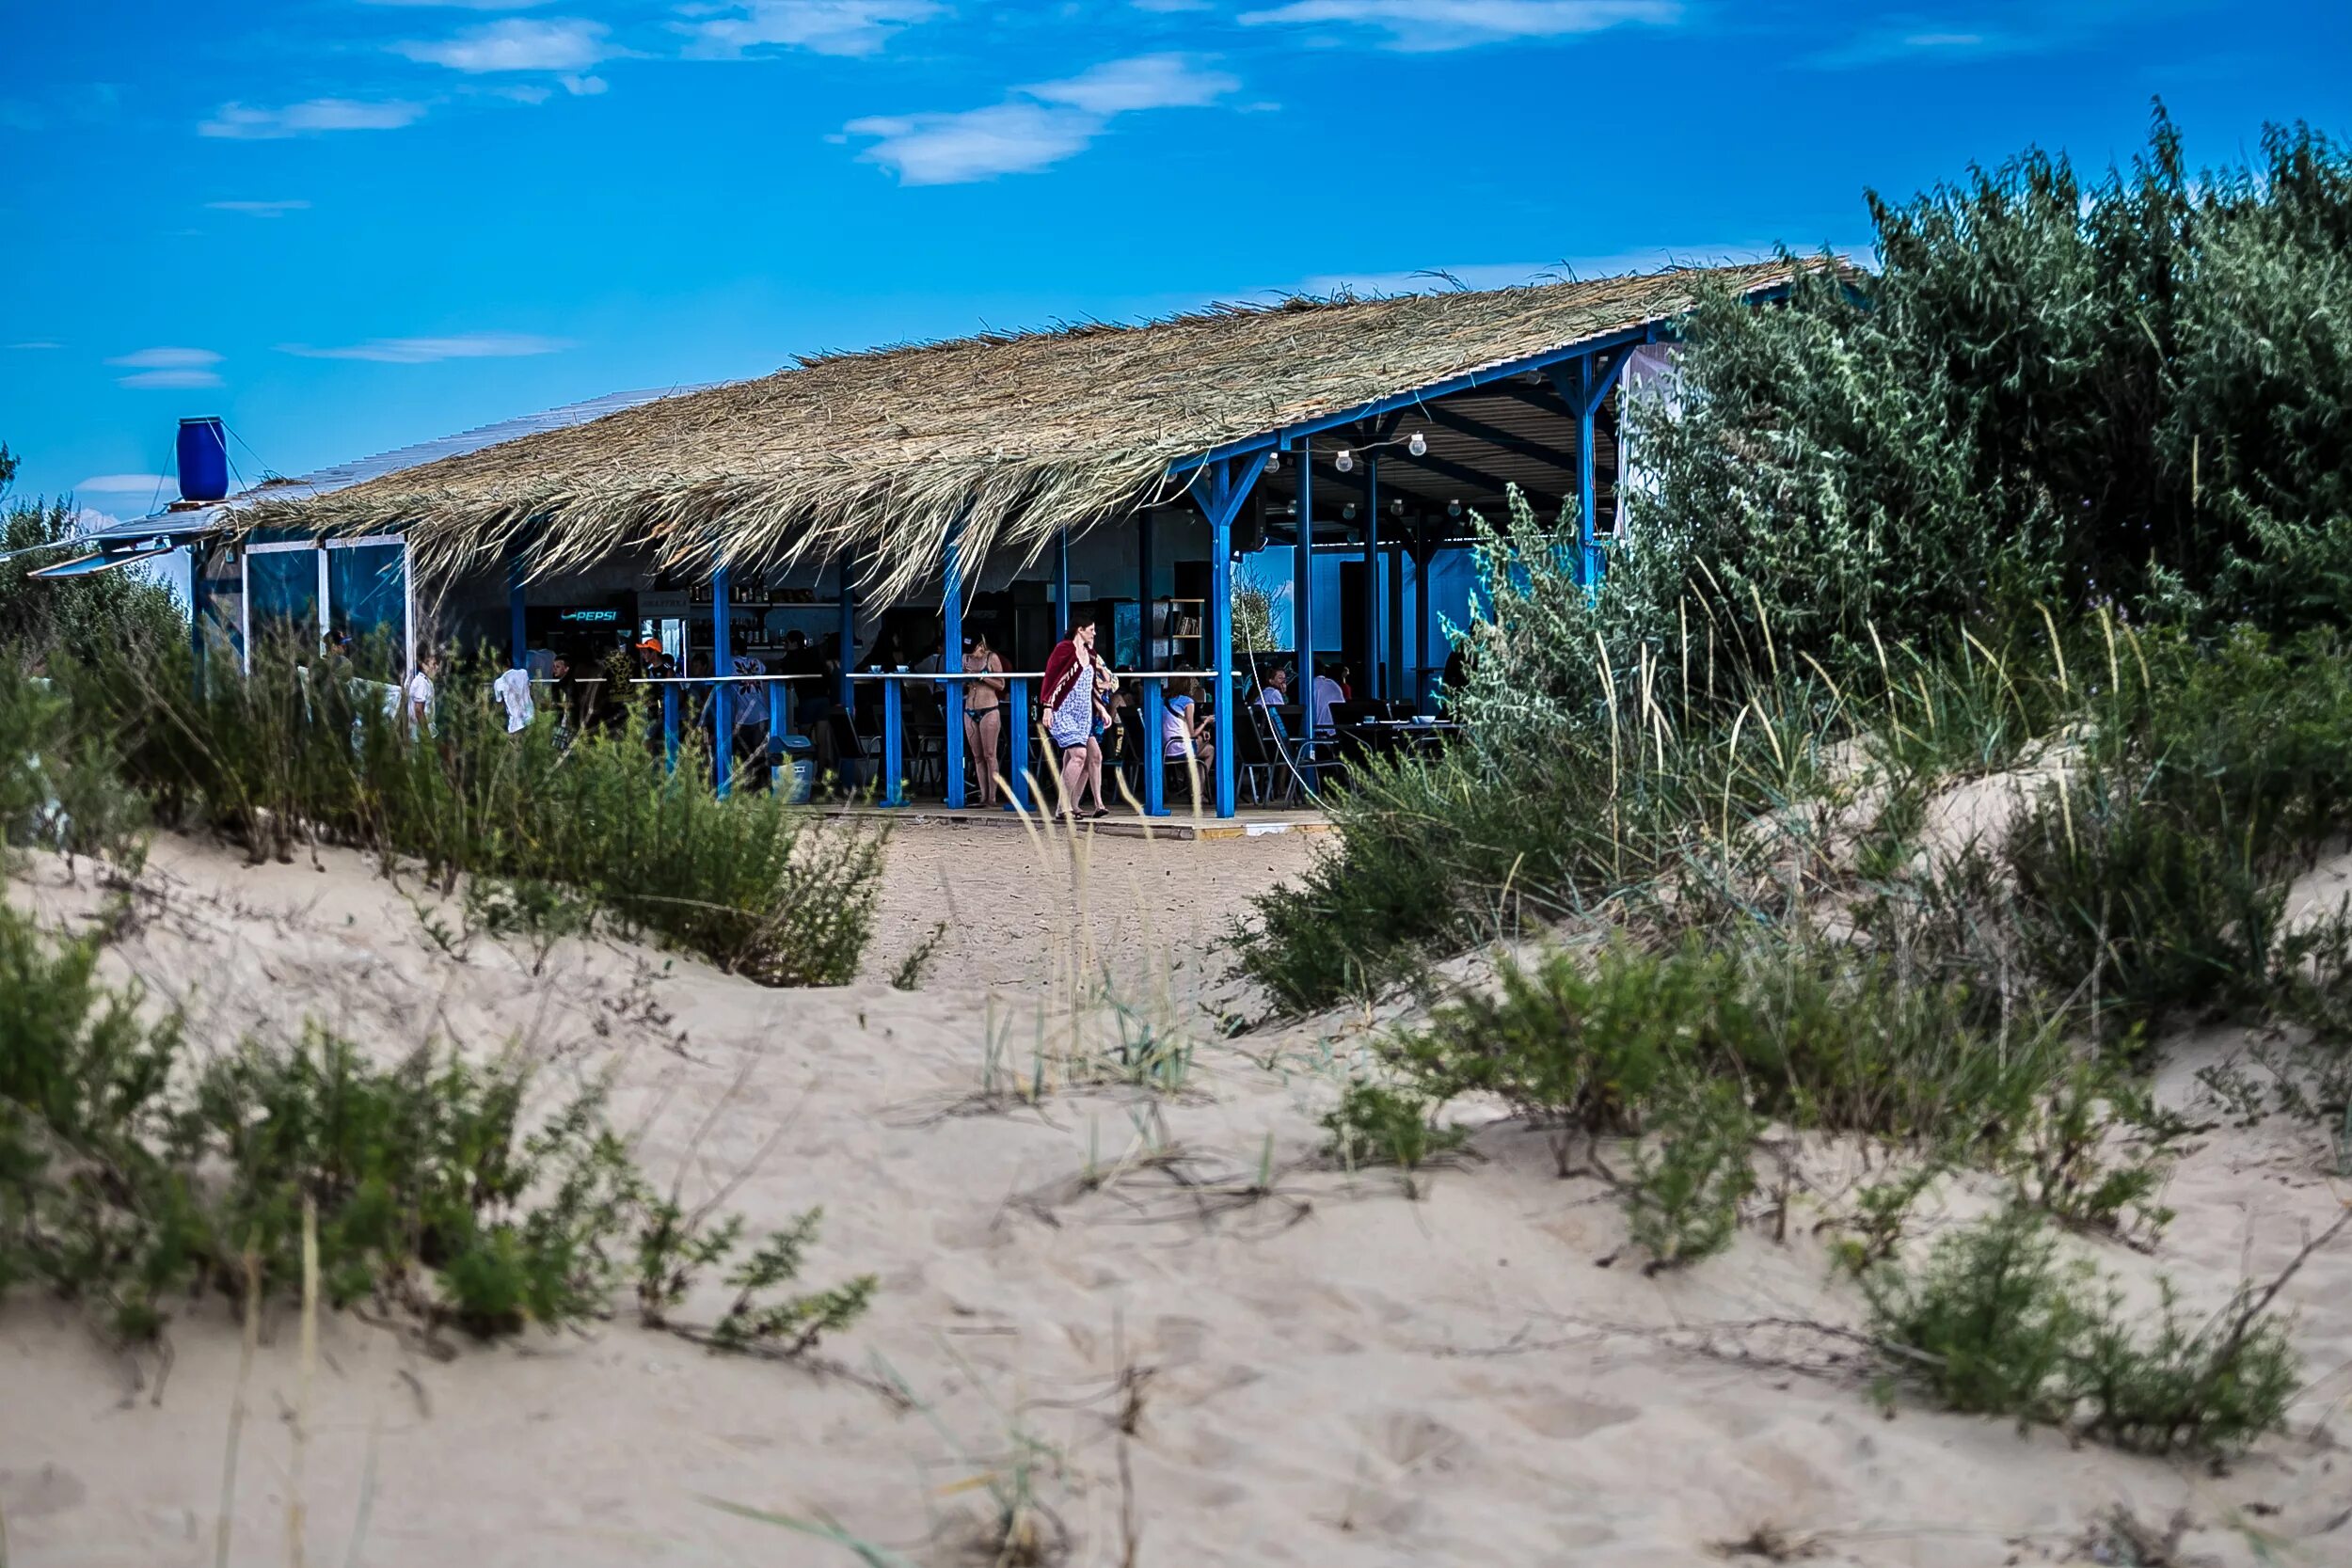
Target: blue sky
pixel 346 225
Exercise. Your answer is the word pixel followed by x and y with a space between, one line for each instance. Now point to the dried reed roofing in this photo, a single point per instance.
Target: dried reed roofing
pixel 1019 435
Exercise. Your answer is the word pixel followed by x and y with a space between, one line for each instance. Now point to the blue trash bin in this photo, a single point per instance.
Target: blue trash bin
pixel 796 767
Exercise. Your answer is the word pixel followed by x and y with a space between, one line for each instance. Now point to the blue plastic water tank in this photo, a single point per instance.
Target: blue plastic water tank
pixel 203 460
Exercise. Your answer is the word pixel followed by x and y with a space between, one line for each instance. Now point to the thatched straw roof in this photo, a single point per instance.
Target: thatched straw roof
pixel 1018 434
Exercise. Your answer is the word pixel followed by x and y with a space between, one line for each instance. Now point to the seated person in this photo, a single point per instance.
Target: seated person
pixel 1184 731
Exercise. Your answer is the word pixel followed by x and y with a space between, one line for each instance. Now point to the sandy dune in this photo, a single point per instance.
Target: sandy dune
pixel 1331 1375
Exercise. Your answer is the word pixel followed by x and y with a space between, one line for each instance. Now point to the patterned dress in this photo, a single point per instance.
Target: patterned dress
pixel 1073 723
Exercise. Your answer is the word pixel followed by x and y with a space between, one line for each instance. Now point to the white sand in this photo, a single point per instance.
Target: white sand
pixel 1336 1376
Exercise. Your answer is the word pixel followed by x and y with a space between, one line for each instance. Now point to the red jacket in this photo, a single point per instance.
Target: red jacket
pixel 1061 668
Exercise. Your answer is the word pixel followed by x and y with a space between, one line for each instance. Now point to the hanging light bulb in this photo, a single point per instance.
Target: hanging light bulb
pixel 1418 445
pixel 1344 462
pixel 1396 508
pixel 1349 512
pixel 1274 462
pixel 1454 509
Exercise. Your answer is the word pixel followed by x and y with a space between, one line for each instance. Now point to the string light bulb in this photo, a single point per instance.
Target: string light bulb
pixel 1349 512
pixel 1396 508
pixel 1453 508
pixel 1274 462
pixel 1418 445
pixel 1344 462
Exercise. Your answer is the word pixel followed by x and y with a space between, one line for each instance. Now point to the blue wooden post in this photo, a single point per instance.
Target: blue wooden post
pixel 894 745
pixel 1303 609
pixel 1144 566
pixel 200 608
pixel 1017 714
pixel 951 659
pixel 669 726
pixel 1154 748
pixel 1225 489
pixel 849 632
pixel 1371 575
pixel 722 693
pixel 1588 554
pixel 779 725
pixel 1062 611
pixel 518 637
pixel 1423 616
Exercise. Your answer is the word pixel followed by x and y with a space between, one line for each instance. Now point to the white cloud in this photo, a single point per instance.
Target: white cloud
pixel 161 369
pixel 585 86
pixel 977 144
pixel 41 343
pixel 1434 24
pixel 1147 82
pixel 516 43
pixel 824 26
pixel 241 122
pixel 145 484
pixel 258 208
pixel 427 351
pixel 1042 126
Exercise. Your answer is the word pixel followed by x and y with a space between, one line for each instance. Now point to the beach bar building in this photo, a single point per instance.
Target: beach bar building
pixel 890 502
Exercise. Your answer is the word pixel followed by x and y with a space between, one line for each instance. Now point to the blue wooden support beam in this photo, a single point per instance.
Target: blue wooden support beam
pixel 951 657
pixel 1371 575
pixel 1303 600
pixel 722 694
pixel 517 601
pixel 1017 714
pixel 1494 436
pixel 1154 748
pixel 669 727
pixel 1223 489
pixel 1425 615
pixel 894 745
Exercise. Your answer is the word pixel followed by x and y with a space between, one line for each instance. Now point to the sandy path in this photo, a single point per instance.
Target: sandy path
pixel 1150 903
pixel 1334 1376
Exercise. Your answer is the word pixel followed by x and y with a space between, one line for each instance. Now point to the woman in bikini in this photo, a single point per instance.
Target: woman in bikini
pixel 983 713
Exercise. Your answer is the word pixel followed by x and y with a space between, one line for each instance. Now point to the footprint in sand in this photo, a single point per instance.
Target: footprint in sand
pixel 34 1494
pixel 1567 1418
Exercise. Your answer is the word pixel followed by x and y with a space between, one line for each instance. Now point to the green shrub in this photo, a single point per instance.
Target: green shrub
pixel 777 893
pixel 1375 1124
pixel 1993 1322
pixel 130 1174
pixel 1691 1172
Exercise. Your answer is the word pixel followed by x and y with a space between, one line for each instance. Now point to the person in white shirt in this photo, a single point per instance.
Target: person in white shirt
pixel 417 696
pixel 513 688
pixel 1183 736
pixel 1327 694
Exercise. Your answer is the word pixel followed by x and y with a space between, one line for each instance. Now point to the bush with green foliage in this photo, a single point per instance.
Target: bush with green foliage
pixel 1993 1322
pixel 1381 1124
pixel 132 1173
pixel 776 891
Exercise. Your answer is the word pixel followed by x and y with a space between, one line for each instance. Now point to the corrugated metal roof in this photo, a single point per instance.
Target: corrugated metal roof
pixel 344 475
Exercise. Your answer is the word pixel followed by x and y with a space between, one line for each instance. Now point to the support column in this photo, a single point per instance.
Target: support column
pixel 1303 609
pixel 951 659
pixel 1588 553
pixel 1017 714
pixel 1395 688
pixel 1223 487
pixel 1425 557
pixel 1155 711
pixel 1372 575
pixel 518 637
pixel 722 691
